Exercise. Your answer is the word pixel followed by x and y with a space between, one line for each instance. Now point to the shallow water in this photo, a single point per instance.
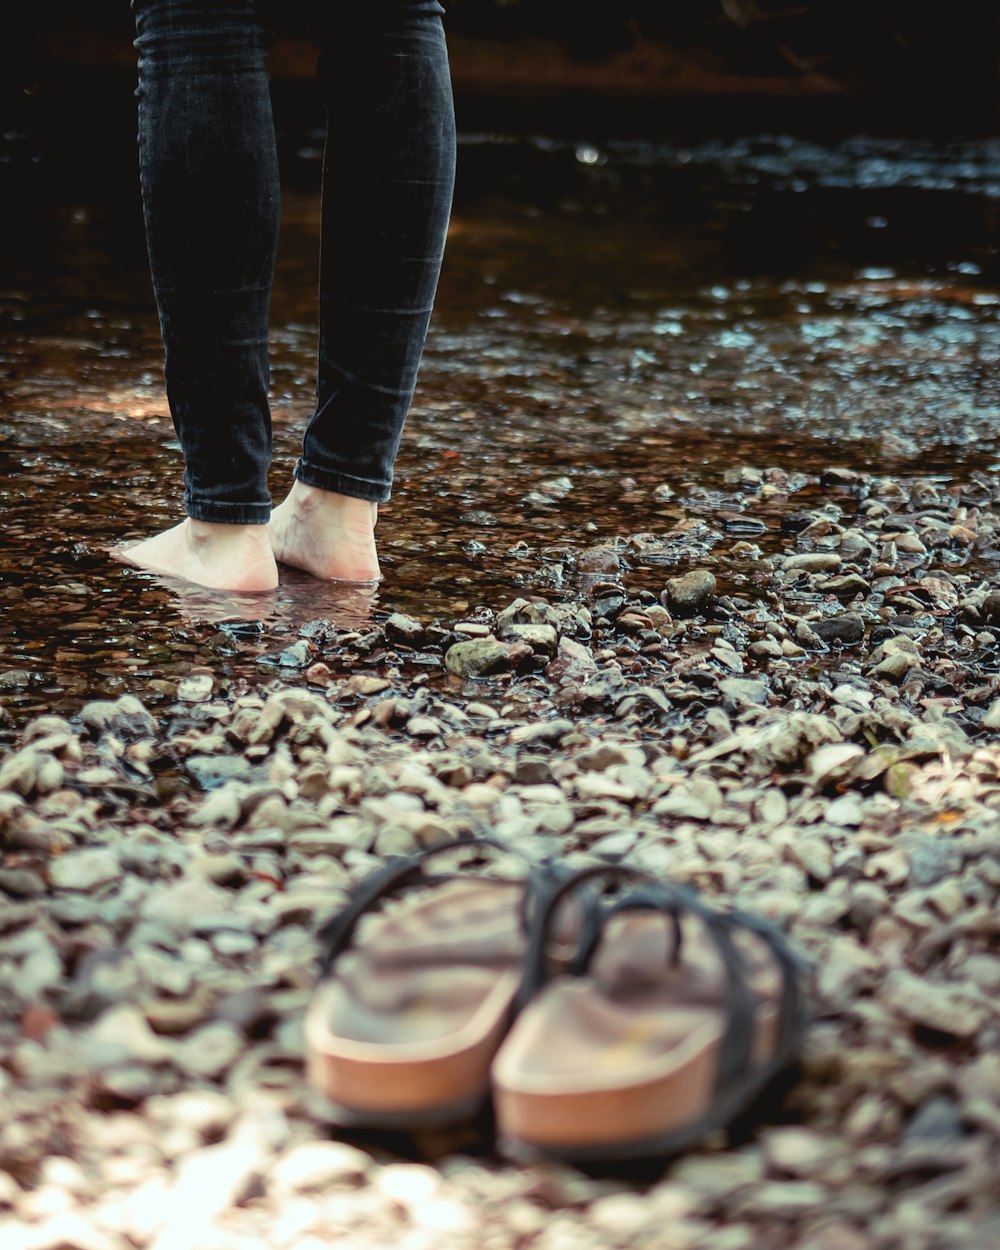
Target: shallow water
pixel 618 325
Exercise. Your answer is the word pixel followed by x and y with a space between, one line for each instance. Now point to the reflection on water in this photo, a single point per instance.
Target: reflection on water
pixel 618 326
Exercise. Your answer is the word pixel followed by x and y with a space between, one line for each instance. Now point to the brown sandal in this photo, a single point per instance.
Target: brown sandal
pixel 404 1024
pixel 671 1020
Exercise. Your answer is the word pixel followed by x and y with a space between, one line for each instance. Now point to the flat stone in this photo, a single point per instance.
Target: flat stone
pixel 833 762
pixel 799 1152
pixel 945 1008
pixel 846 812
pixel 175 1017
pixel 932 860
pixel 549 732
pixel 542 639
pixel 314 1166
pixel 21 883
pixel 848 586
pixel 992 718
pixel 127 718
pixel 937 1120
pixel 743 692
pixel 598 560
pixel 183 906
pixel 210 771
pixel 85 870
pixel 121 1035
pixel 811 562
pixel 478 657
pixel 210 1052
pixel 785 1199
pixel 195 688
pixel 848 627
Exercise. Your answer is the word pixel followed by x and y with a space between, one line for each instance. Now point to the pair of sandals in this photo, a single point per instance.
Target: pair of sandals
pixel 608 1015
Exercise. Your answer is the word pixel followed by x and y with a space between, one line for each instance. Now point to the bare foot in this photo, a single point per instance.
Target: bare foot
pixel 329 535
pixel 222 557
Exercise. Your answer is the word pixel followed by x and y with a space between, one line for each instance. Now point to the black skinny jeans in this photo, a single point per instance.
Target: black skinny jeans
pixel 209 174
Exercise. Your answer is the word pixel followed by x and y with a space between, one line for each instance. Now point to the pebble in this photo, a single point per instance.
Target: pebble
pixel 196 688
pixel 404 630
pixel 811 562
pixel 478 657
pixel 848 627
pixel 946 1008
pixel 126 717
pixel 209 1052
pixel 693 594
pixel 796 1151
pixel 316 1165
pixel 85 870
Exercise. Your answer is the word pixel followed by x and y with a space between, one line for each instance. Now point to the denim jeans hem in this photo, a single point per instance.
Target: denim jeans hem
pixel 343 483
pixel 220 513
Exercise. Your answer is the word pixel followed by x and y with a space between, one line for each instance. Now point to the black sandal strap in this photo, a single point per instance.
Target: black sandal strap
pixel 741 1003
pixel 646 897
pixel 399 872
pixel 536 962
pixel 792 1008
pixel 738 1050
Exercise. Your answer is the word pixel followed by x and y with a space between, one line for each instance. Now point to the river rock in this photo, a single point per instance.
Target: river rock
pixel 811 562
pixel 127 718
pixel 945 1008
pixel 478 657
pixel 848 627
pixel 404 630
pixel 85 870
pixel 315 1166
pixel 692 594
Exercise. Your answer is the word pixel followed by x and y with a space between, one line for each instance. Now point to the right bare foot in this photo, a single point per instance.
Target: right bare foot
pixel 329 535
pixel 222 557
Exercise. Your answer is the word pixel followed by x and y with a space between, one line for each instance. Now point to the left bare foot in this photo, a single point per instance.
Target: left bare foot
pixel 329 535
pixel 222 557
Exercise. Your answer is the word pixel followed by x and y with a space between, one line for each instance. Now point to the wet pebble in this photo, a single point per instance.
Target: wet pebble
pixel 692 594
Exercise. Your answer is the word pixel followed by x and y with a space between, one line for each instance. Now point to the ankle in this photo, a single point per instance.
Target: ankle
pixel 309 500
pixel 202 532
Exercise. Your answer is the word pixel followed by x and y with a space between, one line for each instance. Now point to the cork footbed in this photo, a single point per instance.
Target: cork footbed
pixel 405 1030
pixel 625 1058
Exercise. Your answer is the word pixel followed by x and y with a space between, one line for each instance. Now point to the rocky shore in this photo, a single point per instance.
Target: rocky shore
pixel 805 725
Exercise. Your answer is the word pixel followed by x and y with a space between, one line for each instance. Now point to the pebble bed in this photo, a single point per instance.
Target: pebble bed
pixel 815 740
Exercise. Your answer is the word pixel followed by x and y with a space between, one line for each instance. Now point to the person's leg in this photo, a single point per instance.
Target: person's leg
pixel 388 177
pixel 209 175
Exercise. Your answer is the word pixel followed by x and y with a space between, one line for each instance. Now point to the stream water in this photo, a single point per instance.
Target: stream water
pixel 619 324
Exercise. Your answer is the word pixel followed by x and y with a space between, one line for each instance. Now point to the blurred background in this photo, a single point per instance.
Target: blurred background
pixel 691 240
pixel 641 67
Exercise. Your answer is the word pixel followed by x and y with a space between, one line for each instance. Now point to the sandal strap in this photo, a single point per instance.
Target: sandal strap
pixel 741 1003
pixel 792 1008
pixel 649 896
pixel 400 872
pixel 536 962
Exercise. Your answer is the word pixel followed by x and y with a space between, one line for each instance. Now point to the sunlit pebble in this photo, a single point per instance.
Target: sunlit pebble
pixel 409 1184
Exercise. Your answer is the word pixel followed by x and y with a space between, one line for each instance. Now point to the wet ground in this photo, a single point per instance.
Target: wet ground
pixel 618 325
pixel 700 489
